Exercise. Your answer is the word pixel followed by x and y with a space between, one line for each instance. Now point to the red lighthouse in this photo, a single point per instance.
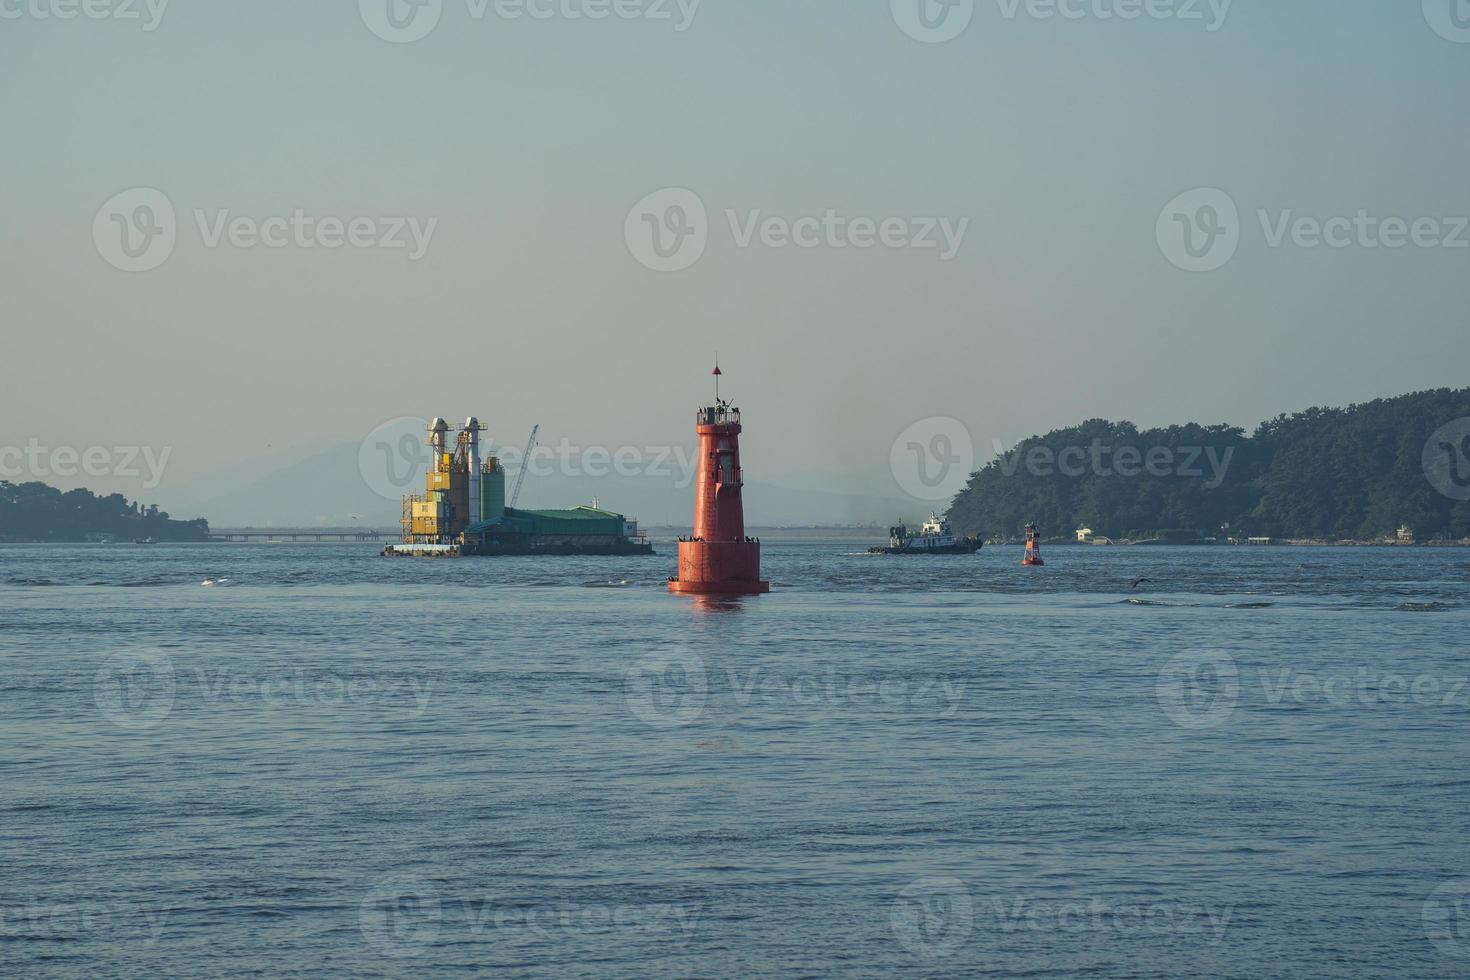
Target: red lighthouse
pixel 718 559
pixel 1033 547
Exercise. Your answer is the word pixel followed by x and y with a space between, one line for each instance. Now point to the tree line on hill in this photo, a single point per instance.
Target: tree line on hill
pixel 1356 473
pixel 38 512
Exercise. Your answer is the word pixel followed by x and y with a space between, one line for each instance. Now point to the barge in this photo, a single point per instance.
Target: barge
pixel 463 512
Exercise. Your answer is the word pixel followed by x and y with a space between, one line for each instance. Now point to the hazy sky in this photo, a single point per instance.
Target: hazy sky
pixel 522 144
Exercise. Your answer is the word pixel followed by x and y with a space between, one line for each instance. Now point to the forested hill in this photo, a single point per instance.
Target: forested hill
pixel 37 512
pixel 1336 473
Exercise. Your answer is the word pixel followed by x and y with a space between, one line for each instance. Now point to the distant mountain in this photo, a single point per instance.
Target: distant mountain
pixel 247 468
pixel 326 489
pixel 329 489
pixel 1335 473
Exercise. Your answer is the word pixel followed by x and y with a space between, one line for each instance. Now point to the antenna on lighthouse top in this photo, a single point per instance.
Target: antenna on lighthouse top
pixel 718 374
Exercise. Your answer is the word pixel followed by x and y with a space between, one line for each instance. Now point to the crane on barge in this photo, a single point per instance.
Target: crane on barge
pixel 525 465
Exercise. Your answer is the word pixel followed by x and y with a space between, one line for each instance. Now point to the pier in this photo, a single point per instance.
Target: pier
pixel 257 534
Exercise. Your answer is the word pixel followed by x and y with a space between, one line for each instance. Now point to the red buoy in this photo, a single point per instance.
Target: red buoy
pixel 718 559
pixel 1033 547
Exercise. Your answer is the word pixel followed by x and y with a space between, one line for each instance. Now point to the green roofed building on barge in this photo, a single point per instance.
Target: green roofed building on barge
pixel 463 512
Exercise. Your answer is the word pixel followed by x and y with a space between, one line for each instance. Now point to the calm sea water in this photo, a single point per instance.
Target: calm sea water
pixel 331 763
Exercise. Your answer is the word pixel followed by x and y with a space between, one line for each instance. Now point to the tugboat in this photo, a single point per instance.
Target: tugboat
pixel 935 539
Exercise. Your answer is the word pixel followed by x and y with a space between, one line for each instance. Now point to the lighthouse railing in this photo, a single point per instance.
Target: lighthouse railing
pixel 717 416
